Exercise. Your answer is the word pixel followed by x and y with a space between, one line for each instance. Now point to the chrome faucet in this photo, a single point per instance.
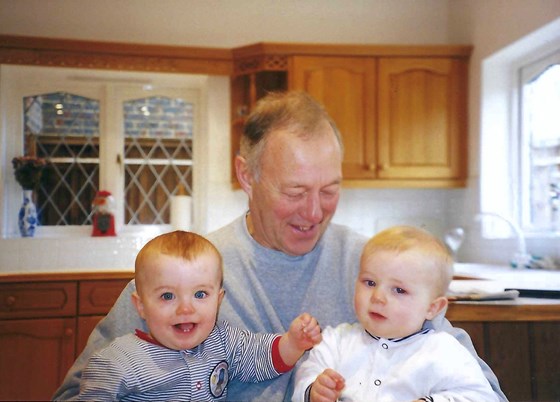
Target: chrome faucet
pixel 521 259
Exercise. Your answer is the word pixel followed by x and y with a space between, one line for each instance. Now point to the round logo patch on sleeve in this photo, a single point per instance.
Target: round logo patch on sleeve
pixel 219 379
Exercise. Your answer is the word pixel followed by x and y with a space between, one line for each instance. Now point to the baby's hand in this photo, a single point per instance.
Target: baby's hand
pixel 327 387
pixel 305 332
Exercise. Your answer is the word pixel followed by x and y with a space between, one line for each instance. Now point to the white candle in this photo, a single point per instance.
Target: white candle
pixel 181 210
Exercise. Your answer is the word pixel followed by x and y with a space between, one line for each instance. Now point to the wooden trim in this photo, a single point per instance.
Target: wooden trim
pixel 405 183
pixel 522 309
pixel 66 276
pixel 39 51
pixel 28 50
pixel 299 49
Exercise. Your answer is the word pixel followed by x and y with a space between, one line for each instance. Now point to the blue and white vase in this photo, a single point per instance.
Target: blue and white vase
pixel 27 218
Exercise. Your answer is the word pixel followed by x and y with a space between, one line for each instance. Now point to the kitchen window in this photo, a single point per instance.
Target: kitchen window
pixel 519 137
pixel 540 144
pixel 128 133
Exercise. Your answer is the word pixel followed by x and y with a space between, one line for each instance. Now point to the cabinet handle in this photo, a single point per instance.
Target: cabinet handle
pixel 68 332
pixel 10 301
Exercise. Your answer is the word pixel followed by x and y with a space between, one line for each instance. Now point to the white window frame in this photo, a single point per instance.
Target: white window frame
pixel 110 87
pixel 526 74
pixel 500 130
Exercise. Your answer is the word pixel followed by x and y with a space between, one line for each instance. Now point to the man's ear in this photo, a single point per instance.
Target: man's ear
pixel 436 307
pixel 138 304
pixel 244 176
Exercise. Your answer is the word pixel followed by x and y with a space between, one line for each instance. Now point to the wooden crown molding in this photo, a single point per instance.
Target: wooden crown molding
pixel 39 51
pixel 27 50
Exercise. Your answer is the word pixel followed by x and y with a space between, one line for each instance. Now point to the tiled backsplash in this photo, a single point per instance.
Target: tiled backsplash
pixel 26 255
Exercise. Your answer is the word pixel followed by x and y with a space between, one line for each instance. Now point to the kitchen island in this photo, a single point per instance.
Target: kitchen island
pixel 46 318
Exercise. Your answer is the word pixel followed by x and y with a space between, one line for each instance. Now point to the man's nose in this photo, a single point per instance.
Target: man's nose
pixel 313 210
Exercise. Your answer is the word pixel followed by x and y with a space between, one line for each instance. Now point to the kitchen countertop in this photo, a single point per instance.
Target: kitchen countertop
pixel 490 277
pixel 510 277
pixel 494 278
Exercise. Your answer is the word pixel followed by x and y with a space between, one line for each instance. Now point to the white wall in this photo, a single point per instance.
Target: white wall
pixel 229 23
pixel 487 24
pixel 493 26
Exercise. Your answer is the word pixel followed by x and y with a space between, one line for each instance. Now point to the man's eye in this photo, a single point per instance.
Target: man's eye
pixel 295 196
pixel 168 296
pixel 331 191
pixel 200 294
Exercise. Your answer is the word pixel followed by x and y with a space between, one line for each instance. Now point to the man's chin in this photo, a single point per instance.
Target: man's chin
pixel 300 247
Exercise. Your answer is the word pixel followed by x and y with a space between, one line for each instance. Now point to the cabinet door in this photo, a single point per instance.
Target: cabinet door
pixel 34 357
pixel 346 86
pixel 422 118
pixel 546 349
pixel 85 327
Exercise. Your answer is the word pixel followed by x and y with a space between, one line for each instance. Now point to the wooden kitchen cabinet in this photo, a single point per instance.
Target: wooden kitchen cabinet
pixel 524 356
pixel 346 86
pixel 402 111
pixel 37 338
pixel 422 130
pixel 96 297
pixel 45 322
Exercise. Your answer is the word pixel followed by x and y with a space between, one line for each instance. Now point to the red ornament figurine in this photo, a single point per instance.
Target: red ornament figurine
pixel 103 217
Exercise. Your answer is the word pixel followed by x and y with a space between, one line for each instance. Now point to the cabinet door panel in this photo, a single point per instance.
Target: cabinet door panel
pixel 422 118
pixel 97 297
pixel 546 349
pixel 85 327
pixel 476 333
pixel 34 357
pixel 346 87
pixel 34 300
pixel 508 353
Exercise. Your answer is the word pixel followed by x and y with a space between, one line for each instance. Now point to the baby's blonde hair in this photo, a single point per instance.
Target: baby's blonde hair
pixel 399 239
pixel 186 245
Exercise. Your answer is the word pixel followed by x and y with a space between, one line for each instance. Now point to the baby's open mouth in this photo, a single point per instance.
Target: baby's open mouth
pixel 184 327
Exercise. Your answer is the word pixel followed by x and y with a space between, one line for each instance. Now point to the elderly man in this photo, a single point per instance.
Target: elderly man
pixel 283 256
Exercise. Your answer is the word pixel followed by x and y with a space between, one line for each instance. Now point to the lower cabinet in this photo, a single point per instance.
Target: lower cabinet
pixel 523 355
pixel 44 326
pixel 35 356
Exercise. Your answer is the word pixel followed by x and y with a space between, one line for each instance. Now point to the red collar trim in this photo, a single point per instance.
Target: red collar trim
pixel 146 337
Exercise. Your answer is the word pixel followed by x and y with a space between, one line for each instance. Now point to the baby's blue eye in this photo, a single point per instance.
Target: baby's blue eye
pixel 201 294
pixel 168 296
pixel 370 283
pixel 400 290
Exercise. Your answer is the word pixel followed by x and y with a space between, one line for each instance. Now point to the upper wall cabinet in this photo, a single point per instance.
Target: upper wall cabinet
pixel 401 110
pixel 346 86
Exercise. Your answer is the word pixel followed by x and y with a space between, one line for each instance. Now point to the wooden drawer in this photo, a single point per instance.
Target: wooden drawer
pixel 98 296
pixel 36 300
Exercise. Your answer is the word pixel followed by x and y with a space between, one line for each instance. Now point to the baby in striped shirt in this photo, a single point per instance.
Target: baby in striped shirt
pixel 185 354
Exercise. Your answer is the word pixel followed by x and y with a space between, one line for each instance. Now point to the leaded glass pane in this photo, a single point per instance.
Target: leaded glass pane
pixel 64 129
pixel 158 156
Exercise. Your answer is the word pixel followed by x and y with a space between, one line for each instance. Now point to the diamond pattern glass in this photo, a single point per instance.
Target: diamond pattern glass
pixel 64 129
pixel 158 156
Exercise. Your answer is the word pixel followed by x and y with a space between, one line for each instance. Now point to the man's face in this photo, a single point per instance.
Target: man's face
pixel 297 192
